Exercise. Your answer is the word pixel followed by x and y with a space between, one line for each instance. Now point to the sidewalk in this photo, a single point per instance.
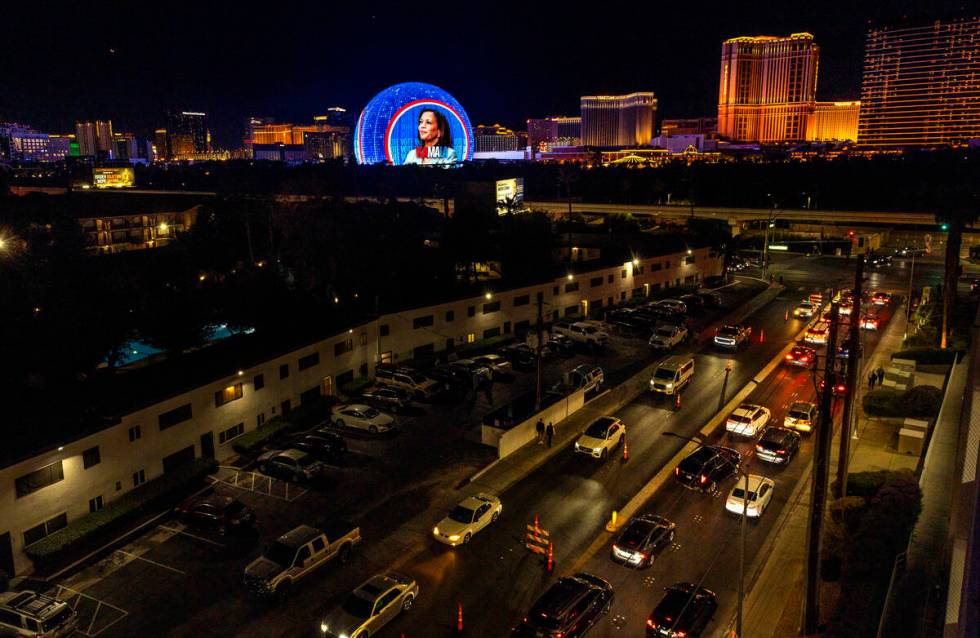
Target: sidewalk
pixel 773 605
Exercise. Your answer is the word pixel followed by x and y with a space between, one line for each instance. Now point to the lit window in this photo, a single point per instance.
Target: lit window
pixel 471 337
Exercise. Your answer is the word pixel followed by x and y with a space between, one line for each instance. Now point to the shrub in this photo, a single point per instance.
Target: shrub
pixel 159 492
pixel 866 484
pixel 920 401
pixel 927 356
pixel 482 346
pixel 355 387
pixel 251 442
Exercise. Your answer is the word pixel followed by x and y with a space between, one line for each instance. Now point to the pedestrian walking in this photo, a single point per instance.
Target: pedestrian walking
pixel 539 426
pixel 550 432
pixel 872 377
pixel 880 373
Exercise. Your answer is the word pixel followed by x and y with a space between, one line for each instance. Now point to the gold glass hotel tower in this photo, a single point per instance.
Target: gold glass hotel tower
pixel 768 87
pixel 921 85
pixel 618 120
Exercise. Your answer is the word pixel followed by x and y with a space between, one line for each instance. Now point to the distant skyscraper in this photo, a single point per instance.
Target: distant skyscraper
pixel 707 126
pixel 187 135
pixel 95 139
pixel 543 134
pixel 921 84
pixel 495 138
pixel 23 144
pixel 618 120
pixel 768 87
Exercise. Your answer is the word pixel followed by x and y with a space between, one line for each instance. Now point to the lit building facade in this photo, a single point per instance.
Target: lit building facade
pixel 921 85
pixel 707 126
pixel 834 122
pixel 187 135
pixel 495 138
pixel 767 88
pixel 315 142
pixel 618 120
pixel 95 139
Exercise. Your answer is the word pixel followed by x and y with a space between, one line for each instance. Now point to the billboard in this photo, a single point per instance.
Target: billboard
pixel 113 177
pixel 413 123
pixel 509 190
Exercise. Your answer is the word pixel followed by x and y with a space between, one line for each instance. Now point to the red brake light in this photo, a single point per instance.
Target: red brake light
pixel 789 357
pixel 781 451
pixel 681 634
pixel 651 624
pixel 677 471
pixel 704 479
pixel 841 388
pixel 804 358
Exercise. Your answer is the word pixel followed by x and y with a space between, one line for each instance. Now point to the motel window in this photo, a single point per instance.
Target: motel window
pixel 258 381
pixel 383 330
pixel 95 504
pixel 40 478
pixel 173 417
pixel 284 371
pixel 91 457
pixel 450 315
pixel 135 432
pixel 522 300
pixel 422 322
pixel 572 287
pixel 46 528
pixel 229 394
pixel 311 359
pixel 491 307
pixel 343 347
pixel 139 478
pixel 595 281
pixel 231 433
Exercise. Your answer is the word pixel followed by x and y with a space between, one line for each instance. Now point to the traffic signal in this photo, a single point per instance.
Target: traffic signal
pixel 850 234
pixel 944 227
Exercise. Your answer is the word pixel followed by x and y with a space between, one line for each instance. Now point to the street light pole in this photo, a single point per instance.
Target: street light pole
pixel 742 533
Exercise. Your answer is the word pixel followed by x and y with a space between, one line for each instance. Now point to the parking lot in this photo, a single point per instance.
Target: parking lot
pixel 391 484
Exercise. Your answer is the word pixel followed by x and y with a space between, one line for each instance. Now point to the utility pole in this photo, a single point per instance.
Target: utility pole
pixel 818 496
pixel 908 299
pixel 540 330
pixel 853 345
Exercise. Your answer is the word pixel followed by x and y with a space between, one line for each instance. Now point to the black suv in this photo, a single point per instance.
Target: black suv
pixel 568 609
pixel 685 611
pixel 708 465
pixel 642 539
pixel 323 445
pixel 521 355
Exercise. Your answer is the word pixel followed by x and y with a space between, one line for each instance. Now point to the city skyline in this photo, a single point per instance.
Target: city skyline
pixel 152 60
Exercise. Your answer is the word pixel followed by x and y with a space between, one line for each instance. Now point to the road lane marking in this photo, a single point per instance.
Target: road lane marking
pixel 152 562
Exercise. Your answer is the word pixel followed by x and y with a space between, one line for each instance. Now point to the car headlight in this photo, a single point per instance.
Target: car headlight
pixel 435 530
pixel 670 385
pixel 323 628
pixel 454 537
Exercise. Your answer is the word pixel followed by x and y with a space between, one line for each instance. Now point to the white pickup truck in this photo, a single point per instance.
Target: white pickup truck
pixel 298 553
pixel 583 333
pixel 668 336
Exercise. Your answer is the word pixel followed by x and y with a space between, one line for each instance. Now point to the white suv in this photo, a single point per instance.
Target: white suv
pixel 605 433
pixel 748 419
pixel 25 613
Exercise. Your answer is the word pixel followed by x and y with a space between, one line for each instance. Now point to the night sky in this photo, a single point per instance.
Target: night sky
pixel 129 60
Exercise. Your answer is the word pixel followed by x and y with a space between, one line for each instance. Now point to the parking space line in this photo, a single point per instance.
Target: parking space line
pixel 194 536
pixel 152 562
pixel 265 489
pixel 121 613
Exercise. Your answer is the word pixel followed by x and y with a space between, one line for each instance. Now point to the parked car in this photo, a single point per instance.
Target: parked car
pixel 470 516
pixel 802 416
pixel 500 368
pixel 298 553
pixel 642 538
pixel 684 612
pixel 605 433
pixel 707 466
pixel 747 419
pixel 323 445
pixel 415 382
pixel 805 310
pixel 361 417
pixel 217 512
pixel 27 613
pixel 521 355
pixel 628 318
pixel 667 336
pixel 585 376
pixel 674 305
pixel 569 608
pixel 292 465
pixel 478 374
pixel 694 303
pixel 374 604
pixel 583 333
pixel 777 445
pixel 560 344
pixel 732 336
pixel 710 298
pixel 759 496
pixel 387 397
pixel 801 356
pixel 450 378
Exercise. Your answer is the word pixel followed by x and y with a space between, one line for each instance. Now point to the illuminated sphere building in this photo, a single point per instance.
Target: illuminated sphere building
pixel 387 128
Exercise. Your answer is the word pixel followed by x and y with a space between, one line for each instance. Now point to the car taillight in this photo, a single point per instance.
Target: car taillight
pixel 789 357
pixel 759 448
pixel 651 624
pixel 615 547
pixel 841 388
pixel 677 471
pixel 804 358
pixel 780 451
pixel 681 634
pixel 704 479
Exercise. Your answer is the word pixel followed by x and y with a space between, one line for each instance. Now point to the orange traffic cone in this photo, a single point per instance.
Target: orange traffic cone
pixel 536 521
pixel 728 366
pixel 762 335
pixel 626 450
pixel 459 618
pixel 786 316
pixel 677 400
pixel 551 557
